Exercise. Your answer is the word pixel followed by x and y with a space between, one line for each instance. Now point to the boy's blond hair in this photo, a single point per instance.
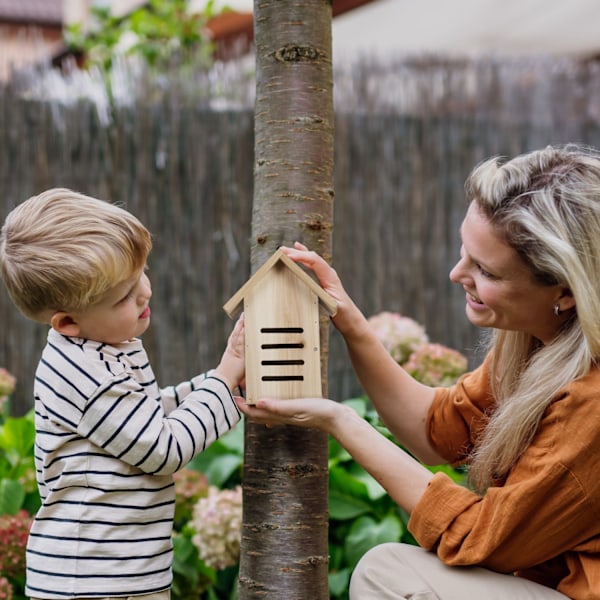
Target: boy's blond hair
pixel 62 251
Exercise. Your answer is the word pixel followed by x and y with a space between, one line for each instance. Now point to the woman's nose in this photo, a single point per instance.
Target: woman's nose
pixel 457 273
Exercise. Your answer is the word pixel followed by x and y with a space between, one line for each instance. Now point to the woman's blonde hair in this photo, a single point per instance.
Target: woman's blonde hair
pixel 62 250
pixel 545 205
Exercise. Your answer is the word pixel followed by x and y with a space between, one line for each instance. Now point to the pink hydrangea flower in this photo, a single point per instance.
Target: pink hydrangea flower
pixel 7 387
pixel 217 524
pixel 190 486
pixel 7 382
pixel 6 589
pixel 436 365
pixel 400 335
pixel 14 530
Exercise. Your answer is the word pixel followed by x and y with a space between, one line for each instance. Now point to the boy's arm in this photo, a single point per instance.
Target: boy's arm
pixel 125 419
pixel 230 370
pixel 129 424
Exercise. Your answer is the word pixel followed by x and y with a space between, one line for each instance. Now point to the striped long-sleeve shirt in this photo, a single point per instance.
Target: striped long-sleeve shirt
pixel 107 442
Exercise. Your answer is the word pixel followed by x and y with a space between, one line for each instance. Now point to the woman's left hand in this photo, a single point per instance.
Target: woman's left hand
pixel 316 413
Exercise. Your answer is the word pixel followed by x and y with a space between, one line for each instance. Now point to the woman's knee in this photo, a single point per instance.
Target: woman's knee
pixel 379 574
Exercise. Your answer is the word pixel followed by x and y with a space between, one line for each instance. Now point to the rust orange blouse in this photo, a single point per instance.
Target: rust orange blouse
pixel 543 521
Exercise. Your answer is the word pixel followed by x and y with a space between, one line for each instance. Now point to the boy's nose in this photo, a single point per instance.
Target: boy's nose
pixel 145 288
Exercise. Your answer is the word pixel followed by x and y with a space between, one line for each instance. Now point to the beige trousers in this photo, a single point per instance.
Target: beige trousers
pixel 166 595
pixel 401 572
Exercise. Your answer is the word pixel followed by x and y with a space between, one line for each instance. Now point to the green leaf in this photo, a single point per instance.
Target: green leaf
pixel 375 490
pixel 338 582
pixel 348 496
pixel 366 533
pixel 18 435
pixel 336 556
pixel 186 561
pixel 32 502
pixel 360 405
pixel 234 440
pixel 337 454
pixel 343 507
pixel 220 471
pixel 456 474
pixel 220 461
pixel 12 496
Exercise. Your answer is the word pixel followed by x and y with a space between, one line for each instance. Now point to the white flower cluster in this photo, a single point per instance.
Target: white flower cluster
pixel 217 524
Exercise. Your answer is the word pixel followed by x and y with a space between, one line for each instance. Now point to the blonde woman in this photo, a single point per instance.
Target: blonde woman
pixel 527 421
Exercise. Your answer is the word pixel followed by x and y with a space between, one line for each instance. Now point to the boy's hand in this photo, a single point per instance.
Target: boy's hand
pixel 232 367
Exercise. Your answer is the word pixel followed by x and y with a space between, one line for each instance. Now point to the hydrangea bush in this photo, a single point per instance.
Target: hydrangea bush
pixel 217 525
pixel 406 340
pixel 400 335
pixel 7 387
pixel 14 530
pixel 6 589
pixel 436 365
pixel 190 486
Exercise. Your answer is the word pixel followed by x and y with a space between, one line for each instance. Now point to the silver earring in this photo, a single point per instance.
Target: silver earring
pixel 556 310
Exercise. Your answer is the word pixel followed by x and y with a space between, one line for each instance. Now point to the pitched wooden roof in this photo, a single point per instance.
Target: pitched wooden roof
pixel 234 304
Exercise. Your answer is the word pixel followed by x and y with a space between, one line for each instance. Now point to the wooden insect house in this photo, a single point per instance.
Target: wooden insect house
pixel 281 304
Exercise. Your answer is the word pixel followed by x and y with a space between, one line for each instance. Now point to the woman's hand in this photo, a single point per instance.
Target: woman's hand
pixel 347 314
pixel 326 274
pixel 316 413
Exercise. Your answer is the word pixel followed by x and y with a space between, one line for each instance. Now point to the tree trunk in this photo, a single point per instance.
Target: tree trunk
pixel 285 522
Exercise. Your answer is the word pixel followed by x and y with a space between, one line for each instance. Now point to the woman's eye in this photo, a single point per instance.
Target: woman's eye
pixel 484 272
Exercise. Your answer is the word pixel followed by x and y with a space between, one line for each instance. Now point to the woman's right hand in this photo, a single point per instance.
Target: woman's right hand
pixel 315 413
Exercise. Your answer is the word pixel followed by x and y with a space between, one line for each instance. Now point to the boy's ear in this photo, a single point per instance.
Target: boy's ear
pixel 65 324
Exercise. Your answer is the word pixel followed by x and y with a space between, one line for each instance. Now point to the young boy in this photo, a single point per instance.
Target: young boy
pixel 107 438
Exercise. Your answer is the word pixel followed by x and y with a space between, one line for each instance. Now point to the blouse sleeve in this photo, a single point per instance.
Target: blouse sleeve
pixel 459 413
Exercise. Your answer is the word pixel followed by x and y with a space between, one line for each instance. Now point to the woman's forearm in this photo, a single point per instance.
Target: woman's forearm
pixel 401 401
pixel 404 478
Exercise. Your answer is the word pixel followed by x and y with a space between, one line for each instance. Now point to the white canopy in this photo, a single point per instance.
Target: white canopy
pixel 467 27
pixel 463 27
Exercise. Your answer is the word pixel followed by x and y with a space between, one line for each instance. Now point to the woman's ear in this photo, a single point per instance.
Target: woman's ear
pixel 566 300
pixel 64 323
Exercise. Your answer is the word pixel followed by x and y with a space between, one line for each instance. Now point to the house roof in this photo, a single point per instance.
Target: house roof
pixel 225 27
pixel 50 12
pixel 32 12
pixel 469 27
pixel 30 33
pixel 234 304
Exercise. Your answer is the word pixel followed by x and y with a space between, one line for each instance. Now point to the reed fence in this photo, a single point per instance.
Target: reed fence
pixel 406 135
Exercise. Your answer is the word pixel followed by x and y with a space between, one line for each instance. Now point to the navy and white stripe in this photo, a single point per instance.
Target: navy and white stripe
pixel 107 442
